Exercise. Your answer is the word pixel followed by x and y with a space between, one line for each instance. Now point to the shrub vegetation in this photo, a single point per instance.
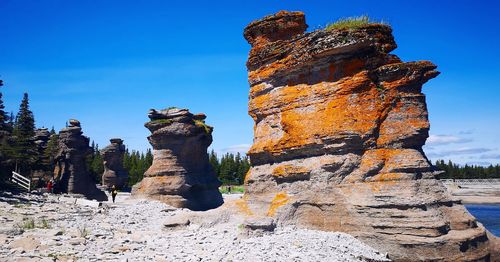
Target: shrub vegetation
pixel 352 23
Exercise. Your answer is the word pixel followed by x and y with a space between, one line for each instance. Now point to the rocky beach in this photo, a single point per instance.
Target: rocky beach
pixel 338 168
pixel 148 230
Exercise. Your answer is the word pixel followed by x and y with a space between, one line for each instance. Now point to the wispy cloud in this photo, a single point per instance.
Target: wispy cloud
pixel 478 163
pixel 466 132
pixel 436 140
pixel 459 151
pixel 491 156
pixel 241 148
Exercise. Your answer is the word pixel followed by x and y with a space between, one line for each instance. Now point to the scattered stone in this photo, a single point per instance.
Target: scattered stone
pixel 25 244
pixel 258 226
pixel 89 203
pixel 180 175
pixel 176 222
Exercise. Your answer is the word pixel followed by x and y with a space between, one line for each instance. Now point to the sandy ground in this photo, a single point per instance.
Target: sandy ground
pixel 135 230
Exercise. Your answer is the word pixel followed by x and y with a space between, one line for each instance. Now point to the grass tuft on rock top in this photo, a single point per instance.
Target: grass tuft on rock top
pixel 162 121
pixel 201 123
pixel 352 23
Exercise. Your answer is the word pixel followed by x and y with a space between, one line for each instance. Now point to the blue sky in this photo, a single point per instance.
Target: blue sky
pixel 107 62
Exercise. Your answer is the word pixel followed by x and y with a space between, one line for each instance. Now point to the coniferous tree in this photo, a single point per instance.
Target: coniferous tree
pixel 137 164
pixel 95 163
pixel 51 151
pixel 25 152
pixel 214 161
pixel 148 159
pixel 455 171
pixel 230 169
pixel 5 143
pixel 4 117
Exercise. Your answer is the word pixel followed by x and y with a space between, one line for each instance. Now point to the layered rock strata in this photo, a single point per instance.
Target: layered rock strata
pixel 42 136
pixel 339 129
pixel 70 172
pixel 180 175
pixel 114 173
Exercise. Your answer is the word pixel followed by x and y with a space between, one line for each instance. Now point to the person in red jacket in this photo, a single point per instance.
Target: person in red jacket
pixel 50 186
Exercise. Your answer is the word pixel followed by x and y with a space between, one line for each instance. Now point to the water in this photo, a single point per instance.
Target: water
pixel 488 215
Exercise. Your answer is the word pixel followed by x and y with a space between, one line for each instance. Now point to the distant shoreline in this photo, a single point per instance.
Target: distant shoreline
pixel 479 200
pixel 478 193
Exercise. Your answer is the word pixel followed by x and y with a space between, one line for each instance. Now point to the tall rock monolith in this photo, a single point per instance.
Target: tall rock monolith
pixel 181 174
pixel 339 129
pixel 114 172
pixel 71 174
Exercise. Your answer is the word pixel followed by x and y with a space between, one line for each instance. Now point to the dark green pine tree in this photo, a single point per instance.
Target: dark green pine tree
pixel 97 167
pixel 25 152
pixel 4 117
pixel 95 163
pixel 243 168
pixel 50 152
pixel 5 140
pixel 214 161
pixel 455 171
pixel 148 159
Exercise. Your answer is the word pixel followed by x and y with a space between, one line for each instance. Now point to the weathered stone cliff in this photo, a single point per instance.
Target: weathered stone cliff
pixel 70 173
pixel 339 129
pixel 114 173
pixel 180 175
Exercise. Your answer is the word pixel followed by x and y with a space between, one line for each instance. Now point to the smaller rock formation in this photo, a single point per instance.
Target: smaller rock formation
pixel 114 173
pixel 40 174
pixel 70 171
pixel 42 136
pixel 180 175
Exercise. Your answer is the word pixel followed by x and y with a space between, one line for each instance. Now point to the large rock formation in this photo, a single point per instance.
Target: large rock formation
pixel 180 174
pixel 114 173
pixel 339 129
pixel 70 173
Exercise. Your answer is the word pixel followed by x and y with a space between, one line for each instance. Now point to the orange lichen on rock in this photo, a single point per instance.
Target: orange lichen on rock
pixel 290 173
pixel 278 201
pixel 243 207
pixel 339 125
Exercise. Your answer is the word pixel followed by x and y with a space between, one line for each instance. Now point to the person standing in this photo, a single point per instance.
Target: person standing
pixel 50 186
pixel 114 192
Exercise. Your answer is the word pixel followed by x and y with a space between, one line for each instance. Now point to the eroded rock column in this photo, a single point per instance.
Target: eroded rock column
pixel 339 129
pixel 70 173
pixel 180 174
pixel 114 173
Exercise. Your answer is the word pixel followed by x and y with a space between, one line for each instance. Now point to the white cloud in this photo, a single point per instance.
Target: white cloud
pixel 466 132
pixel 458 151
pixel 241 148
pixel 478 163
pixel 491 156
pixel 436 140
